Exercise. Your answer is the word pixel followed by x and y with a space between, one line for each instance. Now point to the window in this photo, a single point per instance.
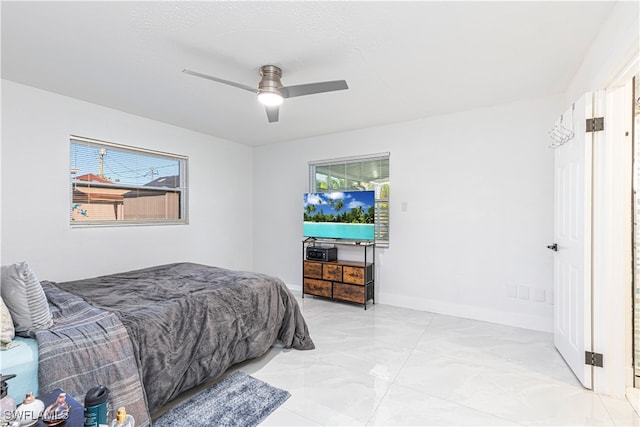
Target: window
pixel 114 184
pixel 357 173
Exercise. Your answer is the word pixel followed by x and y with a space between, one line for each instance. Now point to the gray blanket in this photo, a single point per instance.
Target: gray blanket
pixel 87 346
pixel 188 322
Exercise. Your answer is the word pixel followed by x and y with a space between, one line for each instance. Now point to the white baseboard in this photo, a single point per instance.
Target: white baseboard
pixel 297 288
pixel 633 397
pixel 519 320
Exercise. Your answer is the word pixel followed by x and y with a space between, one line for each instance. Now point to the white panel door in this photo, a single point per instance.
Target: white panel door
pixel 573 237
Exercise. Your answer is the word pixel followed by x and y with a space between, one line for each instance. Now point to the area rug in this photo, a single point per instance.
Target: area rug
pixel 239 401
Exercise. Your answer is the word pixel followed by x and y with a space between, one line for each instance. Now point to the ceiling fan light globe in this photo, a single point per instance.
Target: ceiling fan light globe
pixel 270 99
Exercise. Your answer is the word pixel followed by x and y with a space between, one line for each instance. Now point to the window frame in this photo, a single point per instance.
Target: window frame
pixel 350 160
pixel 181 189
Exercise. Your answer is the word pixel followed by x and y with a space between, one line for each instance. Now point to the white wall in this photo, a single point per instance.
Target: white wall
pixel 615 46
pixel 35 191
pixel 479 192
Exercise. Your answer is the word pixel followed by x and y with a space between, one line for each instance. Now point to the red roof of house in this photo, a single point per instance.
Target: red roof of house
pixel 93 178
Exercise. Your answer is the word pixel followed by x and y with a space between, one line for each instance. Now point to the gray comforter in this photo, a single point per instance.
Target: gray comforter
pixel 188 322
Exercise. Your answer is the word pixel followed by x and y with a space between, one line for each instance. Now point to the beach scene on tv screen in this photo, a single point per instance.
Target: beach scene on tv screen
pixel 340 215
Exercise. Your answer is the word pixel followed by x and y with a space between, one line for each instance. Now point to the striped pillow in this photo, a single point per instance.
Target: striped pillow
pixel 25 299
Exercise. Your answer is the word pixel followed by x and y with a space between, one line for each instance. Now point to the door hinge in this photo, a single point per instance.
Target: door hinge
pixel 593 359
pixel 596 124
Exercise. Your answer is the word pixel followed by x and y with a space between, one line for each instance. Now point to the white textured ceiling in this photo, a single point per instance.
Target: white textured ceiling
pixel 402 60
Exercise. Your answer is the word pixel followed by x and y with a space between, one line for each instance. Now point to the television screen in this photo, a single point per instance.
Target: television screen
pixel 340 215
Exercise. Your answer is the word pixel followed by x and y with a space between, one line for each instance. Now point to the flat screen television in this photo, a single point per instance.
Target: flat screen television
pixel 345 215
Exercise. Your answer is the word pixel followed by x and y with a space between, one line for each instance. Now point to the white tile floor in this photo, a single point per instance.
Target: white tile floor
pixel 394 366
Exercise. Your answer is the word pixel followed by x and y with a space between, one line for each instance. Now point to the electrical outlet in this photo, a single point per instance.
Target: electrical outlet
pixel 512 291
pixel 523 292
pixel 539 295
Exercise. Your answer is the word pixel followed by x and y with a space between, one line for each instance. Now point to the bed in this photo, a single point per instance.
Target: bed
pixel 151 334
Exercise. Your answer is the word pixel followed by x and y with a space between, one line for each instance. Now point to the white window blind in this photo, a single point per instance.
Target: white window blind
pixel 113 184
pixel 361 173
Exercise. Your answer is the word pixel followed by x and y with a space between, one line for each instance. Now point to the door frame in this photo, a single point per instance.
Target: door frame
pixel 612 228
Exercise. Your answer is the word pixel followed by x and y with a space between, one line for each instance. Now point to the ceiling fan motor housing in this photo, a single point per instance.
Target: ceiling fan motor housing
pixel 270 81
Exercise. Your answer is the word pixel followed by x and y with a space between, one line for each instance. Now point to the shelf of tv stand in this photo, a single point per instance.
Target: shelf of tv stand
pixel 317 241
pixel 340 280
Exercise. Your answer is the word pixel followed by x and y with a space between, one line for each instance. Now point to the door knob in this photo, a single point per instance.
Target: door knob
pixel 553 247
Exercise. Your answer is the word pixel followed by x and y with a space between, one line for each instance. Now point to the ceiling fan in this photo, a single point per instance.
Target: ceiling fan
pixel 270 91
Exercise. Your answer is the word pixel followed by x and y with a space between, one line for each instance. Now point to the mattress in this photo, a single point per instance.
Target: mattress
pixel 22 361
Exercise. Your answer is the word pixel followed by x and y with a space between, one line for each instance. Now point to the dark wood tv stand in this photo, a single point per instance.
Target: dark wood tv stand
pixel 351 281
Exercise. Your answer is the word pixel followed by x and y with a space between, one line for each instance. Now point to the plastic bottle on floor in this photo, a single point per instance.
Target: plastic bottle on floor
pixel 123 419
pixel 7 403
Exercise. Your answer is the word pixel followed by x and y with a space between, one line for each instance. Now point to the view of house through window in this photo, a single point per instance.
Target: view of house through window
pixel 116 184
pixel 353 174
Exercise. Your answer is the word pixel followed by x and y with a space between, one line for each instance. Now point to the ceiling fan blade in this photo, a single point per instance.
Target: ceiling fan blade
pixel 226 82
pixel 272 113
pixel 311 88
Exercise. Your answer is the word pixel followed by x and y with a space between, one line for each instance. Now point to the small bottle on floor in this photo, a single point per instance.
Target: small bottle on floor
pixel 123 419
